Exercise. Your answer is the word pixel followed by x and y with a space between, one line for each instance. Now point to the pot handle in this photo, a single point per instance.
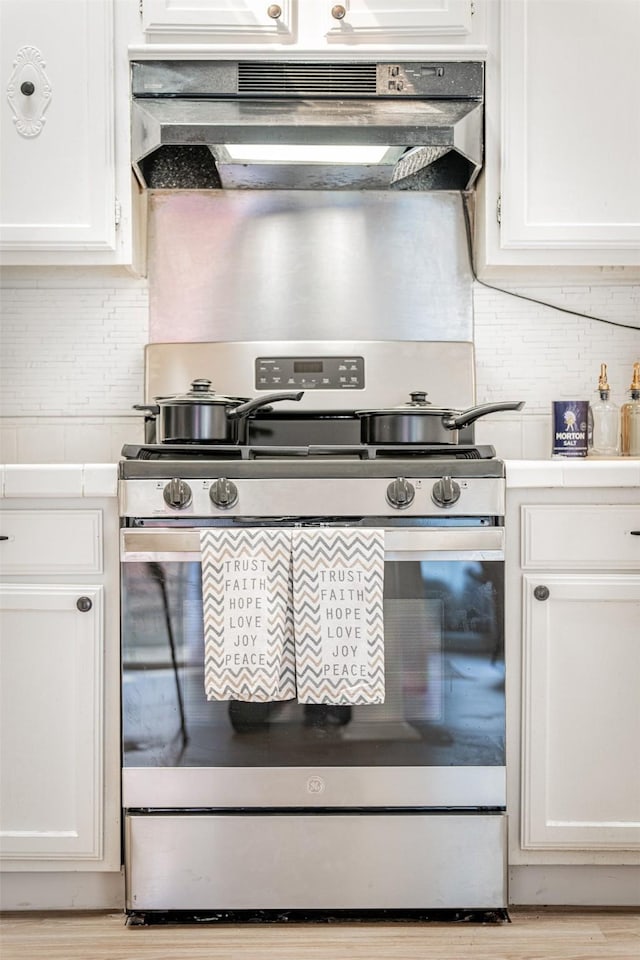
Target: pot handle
pixel 235 413
pixel 151 408
pixel 473 413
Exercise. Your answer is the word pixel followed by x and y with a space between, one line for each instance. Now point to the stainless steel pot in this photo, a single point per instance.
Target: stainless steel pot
pixel 419 422
pixel 203 416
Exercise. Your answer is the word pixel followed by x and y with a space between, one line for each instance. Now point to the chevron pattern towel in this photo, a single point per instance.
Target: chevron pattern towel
pixel 338 577
pixel 248 620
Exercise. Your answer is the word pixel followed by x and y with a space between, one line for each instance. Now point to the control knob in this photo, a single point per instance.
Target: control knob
pixel 223 493
pixel 177 494
pixel 445 492
pixel 400 493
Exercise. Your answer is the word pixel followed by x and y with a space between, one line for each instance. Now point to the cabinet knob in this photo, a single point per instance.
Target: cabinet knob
pixel 27 88
pixel 541 593
pixel 274 11
pixel 84 604
pixel 338 12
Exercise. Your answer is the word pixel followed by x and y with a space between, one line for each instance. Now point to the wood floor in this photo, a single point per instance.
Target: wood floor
pixel 532 935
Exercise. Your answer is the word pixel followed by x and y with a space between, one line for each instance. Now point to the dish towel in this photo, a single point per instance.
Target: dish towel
pixel 338 579
pixel 248 621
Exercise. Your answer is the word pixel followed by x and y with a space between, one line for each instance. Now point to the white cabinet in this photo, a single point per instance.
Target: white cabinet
pixel 51 710
pixel 63 200
pixel 563 136
pixel 312 24
pixel 581 765
pixel 59 656
pixel 574 588
pixel 378 21
pixel 217 20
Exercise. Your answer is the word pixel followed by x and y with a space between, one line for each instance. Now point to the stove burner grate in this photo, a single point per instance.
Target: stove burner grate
pixel 203 452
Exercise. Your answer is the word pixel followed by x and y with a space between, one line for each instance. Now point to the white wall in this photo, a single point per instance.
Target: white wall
pixel 72 341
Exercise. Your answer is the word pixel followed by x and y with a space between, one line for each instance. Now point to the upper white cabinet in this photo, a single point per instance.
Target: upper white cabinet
pixel 563 133
pixel 315 25
pixel 255 20
pixel 62 198
pixel 379 21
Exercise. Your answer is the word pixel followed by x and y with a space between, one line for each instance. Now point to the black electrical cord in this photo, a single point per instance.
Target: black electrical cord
pixel 523 296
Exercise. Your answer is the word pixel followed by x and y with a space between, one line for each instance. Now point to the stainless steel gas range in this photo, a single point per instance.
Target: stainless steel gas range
pixel 284 807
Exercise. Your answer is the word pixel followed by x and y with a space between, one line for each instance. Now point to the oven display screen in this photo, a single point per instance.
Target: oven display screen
pixel 308 366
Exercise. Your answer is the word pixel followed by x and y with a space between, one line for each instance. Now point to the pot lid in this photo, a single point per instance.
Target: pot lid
pixel 201 392
pixel 418 404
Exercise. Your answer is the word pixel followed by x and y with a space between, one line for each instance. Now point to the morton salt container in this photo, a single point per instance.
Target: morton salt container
pixel 570 420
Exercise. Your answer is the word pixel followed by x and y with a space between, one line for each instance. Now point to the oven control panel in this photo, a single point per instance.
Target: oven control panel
pixel 309 373
pixel 225 496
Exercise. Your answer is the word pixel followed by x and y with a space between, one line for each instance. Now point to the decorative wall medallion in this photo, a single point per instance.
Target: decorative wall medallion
pixel 29 91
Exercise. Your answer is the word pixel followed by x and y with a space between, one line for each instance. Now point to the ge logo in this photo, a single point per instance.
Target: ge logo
pixel 315 785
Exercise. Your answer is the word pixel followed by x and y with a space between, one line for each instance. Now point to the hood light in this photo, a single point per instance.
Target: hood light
pixel 304 153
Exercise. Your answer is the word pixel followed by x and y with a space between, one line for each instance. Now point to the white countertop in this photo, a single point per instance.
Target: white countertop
pixel 59 480
pixel 101 479
pixel 585 472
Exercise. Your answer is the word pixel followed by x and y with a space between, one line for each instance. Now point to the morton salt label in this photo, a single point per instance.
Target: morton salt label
pixel 570 424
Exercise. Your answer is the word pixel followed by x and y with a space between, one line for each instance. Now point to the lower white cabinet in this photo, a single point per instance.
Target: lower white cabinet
pixel 51 721
pixel 581 712
pixel 573 673
pixel 59 686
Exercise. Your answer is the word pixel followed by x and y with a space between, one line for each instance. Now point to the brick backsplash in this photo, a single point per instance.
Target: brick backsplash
pixel 70 349
pixel 538 354
pixel 73 351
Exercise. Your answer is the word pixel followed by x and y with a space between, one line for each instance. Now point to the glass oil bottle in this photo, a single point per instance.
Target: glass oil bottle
pixel 606 420
pixel 630 418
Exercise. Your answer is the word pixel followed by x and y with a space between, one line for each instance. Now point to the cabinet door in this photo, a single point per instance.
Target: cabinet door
pixel 581 712
pixel 381 21
pixel 570 131
pixel 218 21
pixel 57 190
pixel 51 731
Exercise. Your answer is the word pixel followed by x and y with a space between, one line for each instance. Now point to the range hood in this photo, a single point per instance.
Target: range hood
pixel 308 125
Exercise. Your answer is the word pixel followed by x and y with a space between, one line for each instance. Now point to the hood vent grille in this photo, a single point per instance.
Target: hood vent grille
pixel 306 79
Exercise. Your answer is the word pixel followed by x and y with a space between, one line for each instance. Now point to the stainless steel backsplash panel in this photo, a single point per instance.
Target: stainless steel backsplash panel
pixel 308 265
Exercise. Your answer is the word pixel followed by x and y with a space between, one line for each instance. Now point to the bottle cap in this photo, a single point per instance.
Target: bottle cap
pixel 603 383
pixel 635 383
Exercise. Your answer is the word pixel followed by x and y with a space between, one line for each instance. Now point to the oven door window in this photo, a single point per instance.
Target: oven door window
pixel 444 655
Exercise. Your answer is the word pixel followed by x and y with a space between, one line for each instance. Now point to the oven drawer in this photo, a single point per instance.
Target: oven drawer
pixel 581 536
pixel 51 542
pixel 284 861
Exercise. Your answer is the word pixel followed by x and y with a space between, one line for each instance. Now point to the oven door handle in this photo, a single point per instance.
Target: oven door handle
pixel 456 543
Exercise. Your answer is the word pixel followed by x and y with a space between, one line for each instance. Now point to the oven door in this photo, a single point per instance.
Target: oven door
pixel 438 741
